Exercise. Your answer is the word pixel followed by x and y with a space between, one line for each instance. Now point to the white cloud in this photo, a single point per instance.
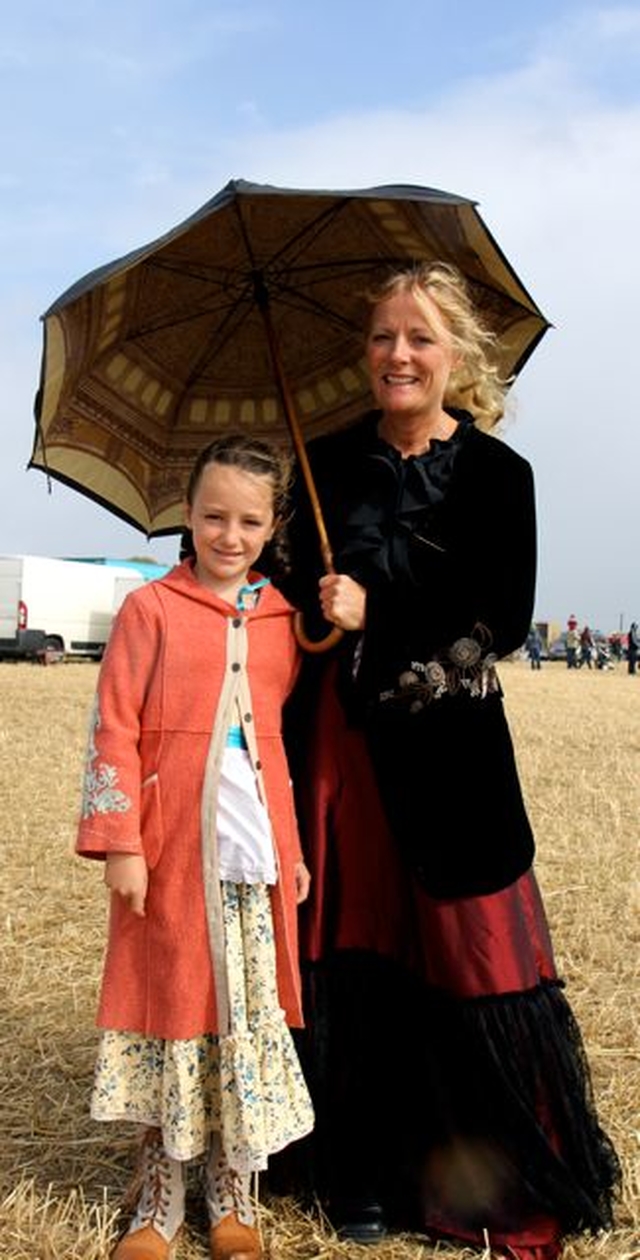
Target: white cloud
pixel 553 157
pixel 618 21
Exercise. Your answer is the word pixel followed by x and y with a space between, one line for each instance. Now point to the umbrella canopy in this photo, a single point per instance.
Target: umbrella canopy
pixel 248 315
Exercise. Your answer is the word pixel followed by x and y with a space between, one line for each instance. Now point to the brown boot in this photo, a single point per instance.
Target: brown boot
pixel 159 1211
pixel 232 1235
pixel 144 1244
pixel 231 1240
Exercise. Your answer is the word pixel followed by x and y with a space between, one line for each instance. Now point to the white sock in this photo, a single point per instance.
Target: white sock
pixel 162 1197
pixel 226 1190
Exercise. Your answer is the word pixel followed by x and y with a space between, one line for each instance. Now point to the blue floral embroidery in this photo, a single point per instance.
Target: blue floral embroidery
pixel 247 1085
pixel 100 794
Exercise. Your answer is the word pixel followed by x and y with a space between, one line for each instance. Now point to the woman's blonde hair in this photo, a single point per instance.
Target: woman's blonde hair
pixel 475 383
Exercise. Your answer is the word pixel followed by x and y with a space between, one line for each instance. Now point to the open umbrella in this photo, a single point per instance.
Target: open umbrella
pixel 245 316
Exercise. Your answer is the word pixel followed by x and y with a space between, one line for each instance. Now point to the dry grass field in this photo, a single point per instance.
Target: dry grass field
pixel 62 1177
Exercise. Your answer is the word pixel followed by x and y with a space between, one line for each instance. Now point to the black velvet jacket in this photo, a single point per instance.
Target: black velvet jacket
pixel 445 546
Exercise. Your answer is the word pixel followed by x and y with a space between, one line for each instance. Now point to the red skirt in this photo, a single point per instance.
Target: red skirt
pixel 364 898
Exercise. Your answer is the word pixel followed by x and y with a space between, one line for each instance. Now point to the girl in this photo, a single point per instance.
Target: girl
pixel 188 799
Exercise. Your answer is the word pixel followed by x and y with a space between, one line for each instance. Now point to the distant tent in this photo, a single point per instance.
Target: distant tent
pixel 148 569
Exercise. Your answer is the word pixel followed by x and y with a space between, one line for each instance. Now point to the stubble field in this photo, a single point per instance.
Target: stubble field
pixel 62 1177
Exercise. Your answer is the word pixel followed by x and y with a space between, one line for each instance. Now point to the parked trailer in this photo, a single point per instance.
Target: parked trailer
pixel 50 608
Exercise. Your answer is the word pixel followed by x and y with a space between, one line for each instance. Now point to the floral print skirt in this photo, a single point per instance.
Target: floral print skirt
pixel 247 1085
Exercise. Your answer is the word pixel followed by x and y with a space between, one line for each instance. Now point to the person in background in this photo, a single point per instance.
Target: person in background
pixel 615 646
pixel 633 647
pixel 587 647
pixel 188 801
pixel 450 1081
pixel 603 654
pixel 533 647
pixel 572 640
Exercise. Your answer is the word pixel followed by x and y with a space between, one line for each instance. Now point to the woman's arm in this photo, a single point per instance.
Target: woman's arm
pixel 343 601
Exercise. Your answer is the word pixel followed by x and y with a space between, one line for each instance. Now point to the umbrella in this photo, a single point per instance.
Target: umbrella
pixel 247 316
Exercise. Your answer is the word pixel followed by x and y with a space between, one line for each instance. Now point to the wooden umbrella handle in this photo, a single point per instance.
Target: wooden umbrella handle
pixel 315 645
pixel 334 636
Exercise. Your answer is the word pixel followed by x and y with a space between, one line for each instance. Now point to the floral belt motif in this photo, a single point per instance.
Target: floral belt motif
pixel 465 666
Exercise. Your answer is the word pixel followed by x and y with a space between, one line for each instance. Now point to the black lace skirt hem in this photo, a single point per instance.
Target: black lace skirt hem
pixel 461 1115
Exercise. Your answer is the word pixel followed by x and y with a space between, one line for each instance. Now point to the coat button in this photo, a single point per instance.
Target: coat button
pixel 258 765
pixel 236 666
pixel 236 623
pixel 248 717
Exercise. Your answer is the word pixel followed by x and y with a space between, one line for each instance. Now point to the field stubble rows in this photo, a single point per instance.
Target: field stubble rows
pixel 577 738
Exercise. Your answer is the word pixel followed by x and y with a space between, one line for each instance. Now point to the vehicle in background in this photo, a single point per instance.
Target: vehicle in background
pixel 557 650
pixel 549 632
pixel 50 608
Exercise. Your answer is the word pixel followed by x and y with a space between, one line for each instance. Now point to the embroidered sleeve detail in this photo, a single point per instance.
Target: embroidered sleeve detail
pixel 101 794
pixel 467 665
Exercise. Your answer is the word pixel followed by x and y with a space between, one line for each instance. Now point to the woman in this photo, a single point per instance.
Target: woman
pixel 448 1073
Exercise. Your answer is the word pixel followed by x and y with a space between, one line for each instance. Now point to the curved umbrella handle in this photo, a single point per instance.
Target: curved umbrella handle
pixel 318 645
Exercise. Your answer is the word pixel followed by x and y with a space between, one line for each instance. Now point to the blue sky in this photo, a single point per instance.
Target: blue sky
pixel 117 120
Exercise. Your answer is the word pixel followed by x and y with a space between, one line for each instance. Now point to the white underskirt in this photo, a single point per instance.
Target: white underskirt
pixel 245 839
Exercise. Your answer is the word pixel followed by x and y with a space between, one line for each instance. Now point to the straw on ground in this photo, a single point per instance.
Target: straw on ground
pixel 62 1177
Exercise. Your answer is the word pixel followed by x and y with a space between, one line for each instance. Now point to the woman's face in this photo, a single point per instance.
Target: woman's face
pixel 410 356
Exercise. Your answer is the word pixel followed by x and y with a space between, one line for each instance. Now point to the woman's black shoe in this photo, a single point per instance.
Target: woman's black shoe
pixel 358 1220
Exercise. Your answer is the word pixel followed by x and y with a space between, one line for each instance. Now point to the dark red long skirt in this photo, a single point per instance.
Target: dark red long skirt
pixel 448 1072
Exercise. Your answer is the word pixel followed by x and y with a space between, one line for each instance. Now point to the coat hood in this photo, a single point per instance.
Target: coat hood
pixel 182 581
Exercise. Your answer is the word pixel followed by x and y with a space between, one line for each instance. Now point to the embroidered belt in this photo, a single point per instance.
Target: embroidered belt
pixel 462 667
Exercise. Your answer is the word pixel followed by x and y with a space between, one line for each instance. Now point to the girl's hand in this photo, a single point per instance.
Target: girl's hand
pixel 303 882
pixel 343 601
pixel 127 875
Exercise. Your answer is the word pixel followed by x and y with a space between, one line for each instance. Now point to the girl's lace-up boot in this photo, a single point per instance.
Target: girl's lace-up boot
pixel 233 1235
pixel 159 1212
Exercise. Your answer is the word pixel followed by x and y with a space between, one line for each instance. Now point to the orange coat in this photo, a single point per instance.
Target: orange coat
pixel 178 664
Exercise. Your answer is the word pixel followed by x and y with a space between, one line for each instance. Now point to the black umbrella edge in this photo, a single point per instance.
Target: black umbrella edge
pixel 232 190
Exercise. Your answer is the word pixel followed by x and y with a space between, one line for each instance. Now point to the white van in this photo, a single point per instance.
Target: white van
pixel 56 608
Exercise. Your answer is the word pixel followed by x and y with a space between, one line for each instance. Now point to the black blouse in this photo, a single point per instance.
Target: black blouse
pixel 397 517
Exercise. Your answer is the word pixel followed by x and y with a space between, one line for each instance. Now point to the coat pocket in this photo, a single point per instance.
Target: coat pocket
pixel 151 825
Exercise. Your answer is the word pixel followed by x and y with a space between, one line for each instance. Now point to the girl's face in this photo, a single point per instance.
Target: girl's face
pixel 231 519
pixel 409 355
